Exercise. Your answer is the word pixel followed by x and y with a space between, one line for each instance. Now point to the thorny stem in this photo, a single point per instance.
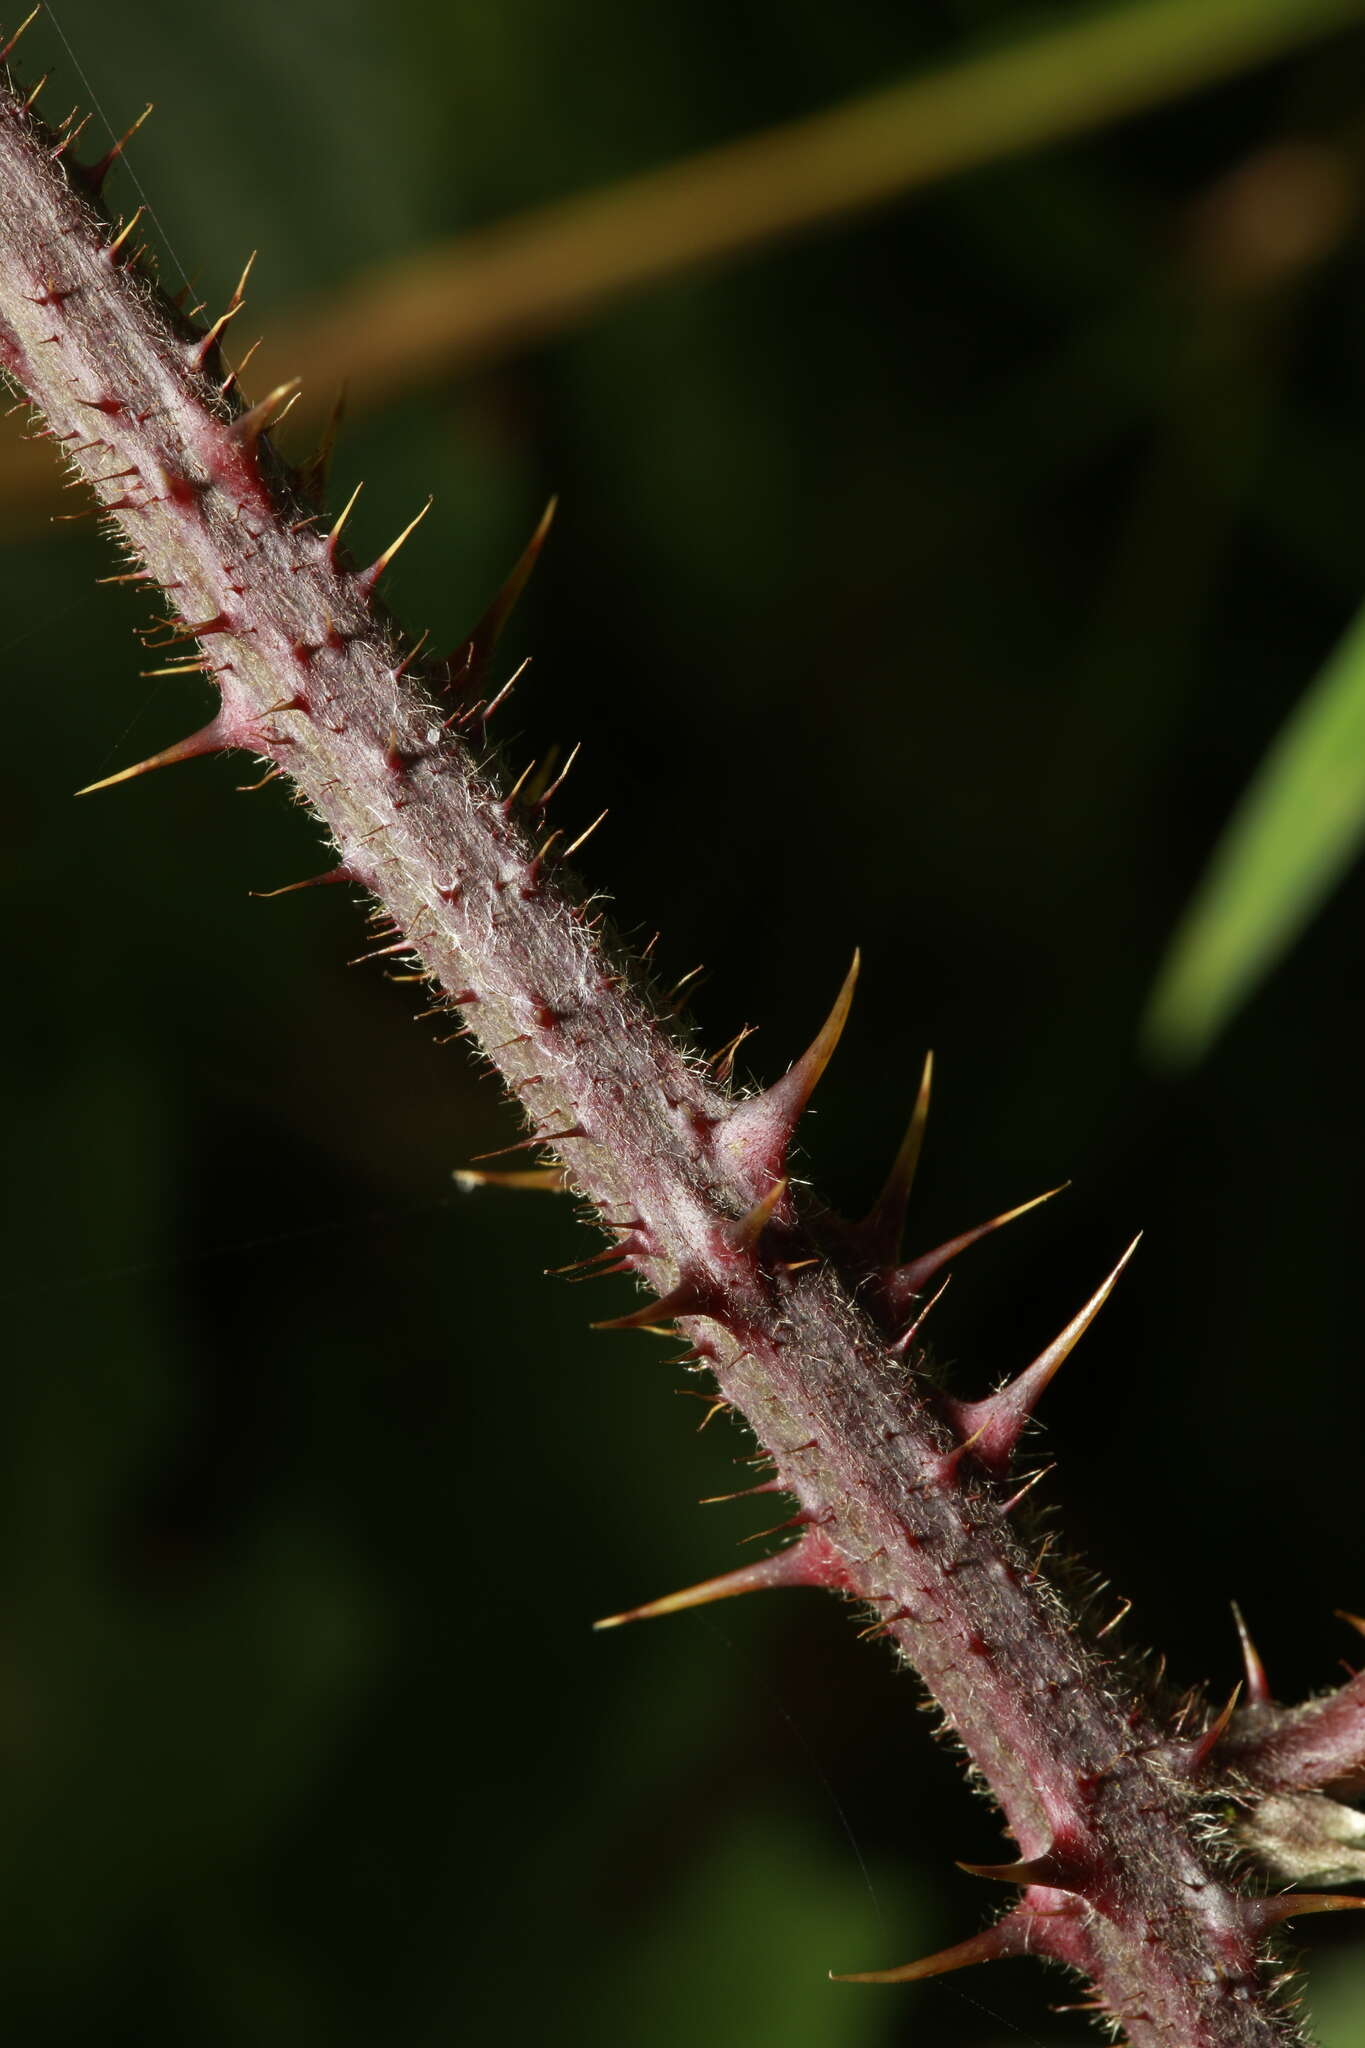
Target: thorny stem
pixel 902 1498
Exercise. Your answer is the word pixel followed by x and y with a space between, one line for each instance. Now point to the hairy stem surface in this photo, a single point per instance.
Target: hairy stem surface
pixel 902 1501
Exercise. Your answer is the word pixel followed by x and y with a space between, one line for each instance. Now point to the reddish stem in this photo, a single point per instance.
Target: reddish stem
pixel 1111 1873
pixel 1318 1747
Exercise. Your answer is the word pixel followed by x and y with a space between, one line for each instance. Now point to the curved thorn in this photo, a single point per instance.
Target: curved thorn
pixel 682 1300
pixel 884 1220
pixel 515 791
pixel 335 534
pixel 496 702
pixel 97 173
pixel 526 1144
pixel 234 376
pixel 1197 1753
pixel 1006 1938
pixel 251 424
pixel 751 1226
pixel 239 294
pixel 913 1277
pixel 230 312
pixel 1267 1913
pixel 472 655
pixel 574 845
pixel 622 1246
pixel 69 134
pixel 27 22
pixel 210 739
pixel 1257 1684
pixel 111 249
pixel 907 1337
pixel 761 1129
pixel 322 881
pixel 1008 1506
pixel 1027 1870
pixel 550 1180
pixel 800 1520
pixel 800 1081
pixel 797 1565
pixel 945 1468
pixel 315 471
pixel 554 787
pixel 711 1500
pixel 998 1421
pixel 376 569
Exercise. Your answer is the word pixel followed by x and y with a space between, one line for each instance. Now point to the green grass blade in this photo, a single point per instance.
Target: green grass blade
pixel 1295 831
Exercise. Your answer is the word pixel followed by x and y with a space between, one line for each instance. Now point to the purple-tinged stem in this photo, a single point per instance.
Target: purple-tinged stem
pixel 897 1509
pixel 1319 1746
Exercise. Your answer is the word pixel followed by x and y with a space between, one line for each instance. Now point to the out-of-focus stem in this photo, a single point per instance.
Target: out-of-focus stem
pixel 499 288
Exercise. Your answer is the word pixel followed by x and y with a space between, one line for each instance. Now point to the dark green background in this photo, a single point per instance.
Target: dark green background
pixel 934 584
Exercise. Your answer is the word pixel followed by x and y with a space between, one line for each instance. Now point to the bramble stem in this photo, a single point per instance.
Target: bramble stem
pixel 779 1302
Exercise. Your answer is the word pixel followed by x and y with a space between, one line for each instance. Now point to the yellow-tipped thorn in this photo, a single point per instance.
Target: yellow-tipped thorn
pixel 996 1423
pixel 239 292
pixel 882 1224
pixel 1268 1913
pixel 97 173
pixel 1050 1361
pixel 472 655
pixel 235 376
pixel 112 248
pixel 315 472
pixel 802 1079
pixel 907 1337
pixel 576 844
pixel 1197 1753
pixel 754 1221
pixel 1043 1869
pixel 129 133
pixel 211 334
pixel 345 513
pixel 1257 1684
pixel 913 1277
pixel 208 740
pixel 681 1300
pixel 340 873
pixel 790 1567
pixel 550 1180
pixel 1004 1939
pixel 10 46
pixel 377 567
pixel 759 1130
pixel 250 425
pixel 285 410
pixel 230 312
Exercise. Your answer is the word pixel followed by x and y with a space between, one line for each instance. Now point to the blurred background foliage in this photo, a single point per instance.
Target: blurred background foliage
pixel 936 580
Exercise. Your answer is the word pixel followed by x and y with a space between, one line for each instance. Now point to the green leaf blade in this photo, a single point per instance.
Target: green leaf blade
pixel 1296 830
